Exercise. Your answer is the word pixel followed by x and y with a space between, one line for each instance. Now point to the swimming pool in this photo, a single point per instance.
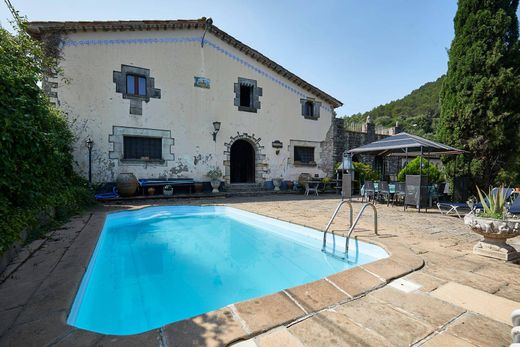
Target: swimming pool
pixel 158 265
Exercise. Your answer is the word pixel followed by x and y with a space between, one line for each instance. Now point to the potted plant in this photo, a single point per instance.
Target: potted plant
pixel 494 225
pixel 214 175
pixel 277 182
pixel 168 190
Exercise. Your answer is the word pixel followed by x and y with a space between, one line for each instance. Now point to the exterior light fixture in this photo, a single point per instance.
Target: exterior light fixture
pixel 216 127
pixel 207 26
pixel 347 162
pixel 277 145
pixel 89 144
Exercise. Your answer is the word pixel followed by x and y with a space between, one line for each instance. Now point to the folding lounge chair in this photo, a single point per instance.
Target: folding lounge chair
pixel 515 206
pixel 452 207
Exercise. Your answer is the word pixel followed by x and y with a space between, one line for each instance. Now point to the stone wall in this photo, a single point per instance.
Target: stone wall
pixel 345 139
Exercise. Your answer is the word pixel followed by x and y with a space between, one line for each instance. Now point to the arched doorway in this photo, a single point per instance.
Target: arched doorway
pixel 242 162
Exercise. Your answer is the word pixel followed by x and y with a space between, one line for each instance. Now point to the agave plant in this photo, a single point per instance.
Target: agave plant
pixel 493 204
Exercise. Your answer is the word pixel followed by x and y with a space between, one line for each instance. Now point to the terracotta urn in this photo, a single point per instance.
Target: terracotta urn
pixel 495 232
pixel 126 184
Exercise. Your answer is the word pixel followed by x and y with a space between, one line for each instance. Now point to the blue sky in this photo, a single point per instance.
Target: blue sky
pixel 365 53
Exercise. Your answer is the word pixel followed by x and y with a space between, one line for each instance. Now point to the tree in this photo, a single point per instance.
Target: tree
pixel 480 97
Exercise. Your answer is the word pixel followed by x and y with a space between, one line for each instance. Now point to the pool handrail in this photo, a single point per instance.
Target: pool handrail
pixel 332 219
pixel 352 226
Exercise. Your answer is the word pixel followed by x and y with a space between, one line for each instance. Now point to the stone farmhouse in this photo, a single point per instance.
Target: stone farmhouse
pixel 176 98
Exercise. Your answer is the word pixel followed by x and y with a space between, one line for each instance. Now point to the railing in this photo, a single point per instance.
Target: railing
pixel 332 219
pixel 352 226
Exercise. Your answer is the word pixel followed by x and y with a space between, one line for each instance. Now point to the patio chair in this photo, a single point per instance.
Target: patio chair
pixel 384 191
pixel 311 188
pixel 370 191
pixel 400 192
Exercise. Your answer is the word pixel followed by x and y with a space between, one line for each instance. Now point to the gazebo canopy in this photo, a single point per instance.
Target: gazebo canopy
pixel 404 144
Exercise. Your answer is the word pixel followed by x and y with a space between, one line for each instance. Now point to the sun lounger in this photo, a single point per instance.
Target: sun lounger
pixel 515 206
pixel 448 208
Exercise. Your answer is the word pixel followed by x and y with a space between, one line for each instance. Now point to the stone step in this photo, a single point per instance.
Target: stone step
pixel 244 187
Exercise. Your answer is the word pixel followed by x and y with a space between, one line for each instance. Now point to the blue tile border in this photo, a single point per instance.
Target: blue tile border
pixel 193 39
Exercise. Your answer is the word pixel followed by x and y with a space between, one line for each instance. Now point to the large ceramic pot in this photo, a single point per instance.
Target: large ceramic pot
pixel 126 184
pixel 215 184
pixel 495 232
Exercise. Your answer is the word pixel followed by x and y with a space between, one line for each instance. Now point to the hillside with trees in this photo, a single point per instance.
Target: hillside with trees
pixel 417 112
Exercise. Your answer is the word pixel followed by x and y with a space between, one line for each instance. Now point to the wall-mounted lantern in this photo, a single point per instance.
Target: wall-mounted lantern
pixel 216 127
pixel 277 145
pixel 89 144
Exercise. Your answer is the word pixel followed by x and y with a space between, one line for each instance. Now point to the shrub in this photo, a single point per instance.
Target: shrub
pixel 35 143
pixel 414 168
pixel 365 171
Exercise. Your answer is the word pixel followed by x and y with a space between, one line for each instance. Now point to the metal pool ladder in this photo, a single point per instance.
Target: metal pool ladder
pixel 352 225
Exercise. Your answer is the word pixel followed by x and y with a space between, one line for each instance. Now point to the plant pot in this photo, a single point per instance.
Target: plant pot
pixel 126 184
pixel 199 186
pixel 290 185
pixel 215 184
pixel 277 182
pixel 495 232
pixel 168 192
pixel 151 191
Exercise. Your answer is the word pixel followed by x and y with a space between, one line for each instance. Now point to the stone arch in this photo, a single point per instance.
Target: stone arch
pixel 261 166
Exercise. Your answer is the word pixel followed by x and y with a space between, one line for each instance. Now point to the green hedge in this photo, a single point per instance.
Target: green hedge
pixel 35 142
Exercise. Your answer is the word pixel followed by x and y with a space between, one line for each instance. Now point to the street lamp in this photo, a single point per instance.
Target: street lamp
pixel 89 143
pixel 216 127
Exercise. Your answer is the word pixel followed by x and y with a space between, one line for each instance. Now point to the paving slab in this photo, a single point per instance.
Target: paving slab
pixel 387 269
pixel 356 281
pixel 216 328
pixel 427 282
pixel 510 292
pixel 317 295
pixel 420 305
pixel 446 340
pixel 278 337
pixel 470 279
pixel 333 329
pixel 481 331
pixel 42 332
pixel 478 301
pixel 399 328
pixel 268 311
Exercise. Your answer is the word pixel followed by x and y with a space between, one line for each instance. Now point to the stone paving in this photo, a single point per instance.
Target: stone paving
pixel 447 297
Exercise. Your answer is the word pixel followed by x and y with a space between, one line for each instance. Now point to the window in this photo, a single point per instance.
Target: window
pixel 308 109
pixel 304 155
pixel 135 85
pixel 246 95
pixel 144 148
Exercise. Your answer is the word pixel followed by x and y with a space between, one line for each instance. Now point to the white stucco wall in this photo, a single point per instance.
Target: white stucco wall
pixel 87 93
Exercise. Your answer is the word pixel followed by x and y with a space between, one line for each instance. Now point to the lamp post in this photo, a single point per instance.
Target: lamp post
pixel 216 127
pixel 89 143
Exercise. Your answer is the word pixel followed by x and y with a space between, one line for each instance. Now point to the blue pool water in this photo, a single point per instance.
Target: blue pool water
pixel 159 265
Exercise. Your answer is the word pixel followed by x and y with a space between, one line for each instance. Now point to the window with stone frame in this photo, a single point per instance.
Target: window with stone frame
pixel 142 148
pixel 135 84
pixel 310 108
pixel 247 95
pixel 303 155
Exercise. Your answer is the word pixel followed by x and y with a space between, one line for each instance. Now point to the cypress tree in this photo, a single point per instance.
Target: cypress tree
pixel 480 98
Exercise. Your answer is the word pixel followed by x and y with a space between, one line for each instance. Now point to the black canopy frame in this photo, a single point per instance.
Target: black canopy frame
pixel 404 144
